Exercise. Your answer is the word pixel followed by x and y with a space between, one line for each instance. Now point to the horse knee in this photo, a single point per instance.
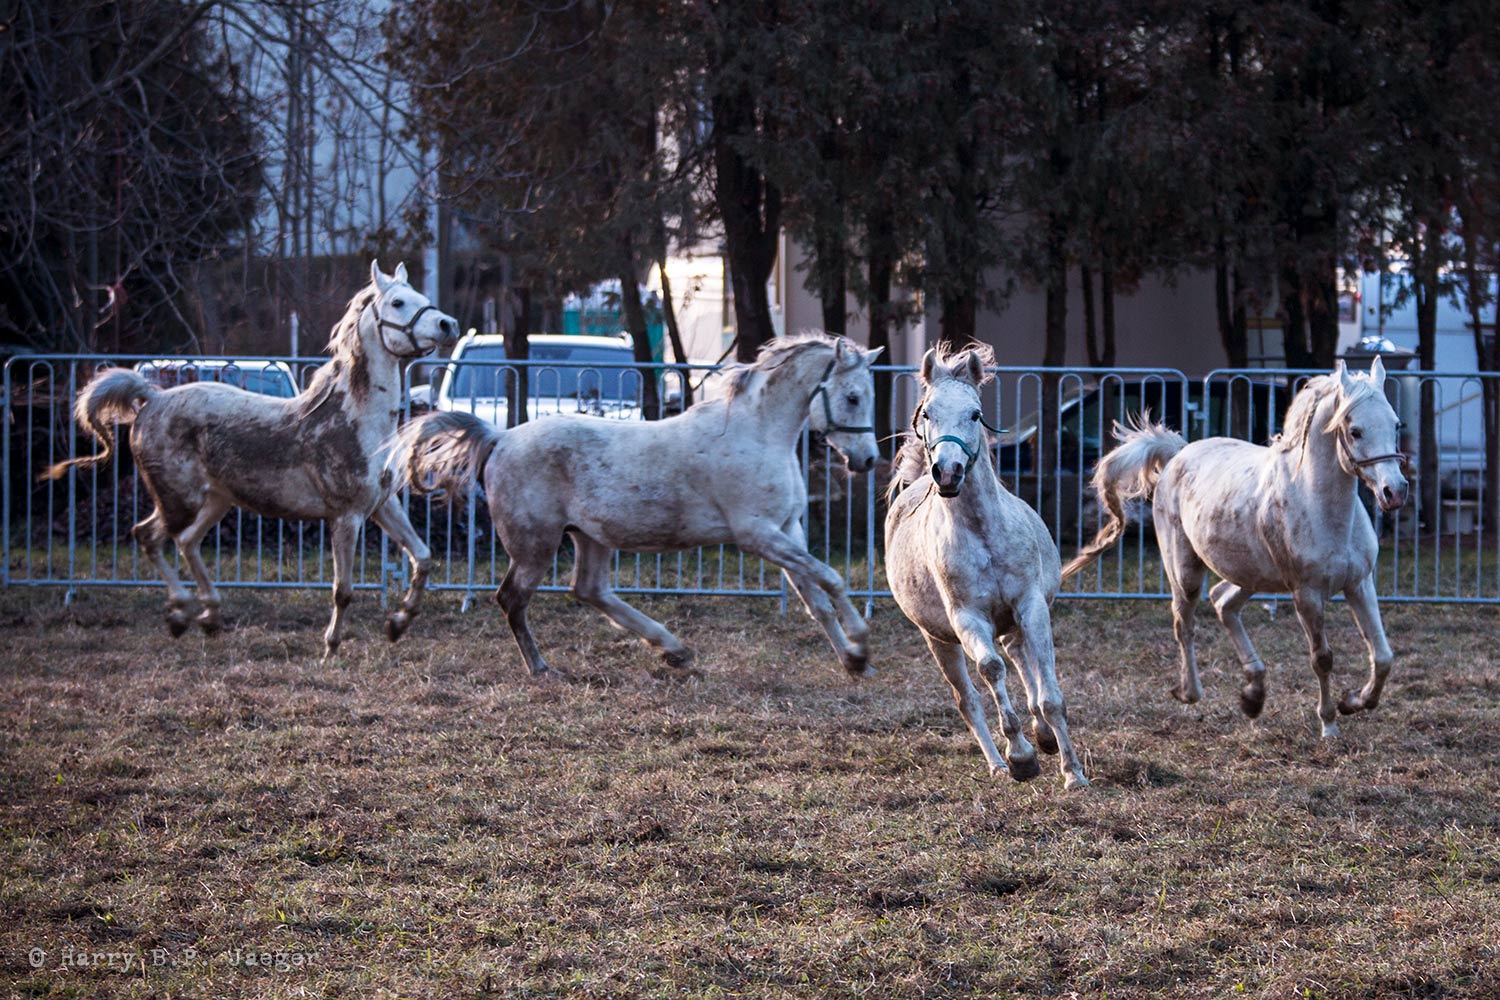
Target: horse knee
pixel 343 593
pixel 1322 662
pixel 1054 708
pixel 992 668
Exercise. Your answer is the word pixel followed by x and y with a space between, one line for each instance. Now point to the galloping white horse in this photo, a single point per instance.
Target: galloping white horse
pixel 204 447
pixel 723 471
pixel 1283 517
pixel 969 562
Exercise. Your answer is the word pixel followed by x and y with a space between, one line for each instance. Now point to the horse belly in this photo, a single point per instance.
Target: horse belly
pixel 1209 494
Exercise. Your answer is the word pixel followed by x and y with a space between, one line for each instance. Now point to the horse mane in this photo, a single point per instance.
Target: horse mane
pixel 771 358
pixel 1304 408
pixel 345 347
pixel 910 463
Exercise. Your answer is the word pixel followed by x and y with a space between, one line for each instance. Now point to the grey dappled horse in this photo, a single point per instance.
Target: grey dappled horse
pixel 204 447
pixel 970 563
pixel 1286 517
pixel 725 470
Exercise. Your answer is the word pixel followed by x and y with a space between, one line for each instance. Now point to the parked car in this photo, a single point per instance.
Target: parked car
pixel 1249 410
pixel 268 378
pixel 567 374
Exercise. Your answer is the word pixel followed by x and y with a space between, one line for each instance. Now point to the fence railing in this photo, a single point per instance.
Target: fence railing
pixel 75 532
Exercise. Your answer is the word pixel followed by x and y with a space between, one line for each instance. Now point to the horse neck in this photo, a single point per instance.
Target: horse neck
pixel 368 380
pixel 782 400
pixel 1320 472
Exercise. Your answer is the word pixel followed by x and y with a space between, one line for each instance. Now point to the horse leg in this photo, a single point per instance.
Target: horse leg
pixel 1035 621
pixel 1362 601
pixel 1229 600
pixel 189 543
pixel 1041 733
pixel 525 574
pixel 591 586
pixel 977 634
pixel 391 517
pixel 345 533
pixel 820 609
pixel 951 659
pixel 1309 605
pixel 152 535
pixel 1185 573
pixel 785 548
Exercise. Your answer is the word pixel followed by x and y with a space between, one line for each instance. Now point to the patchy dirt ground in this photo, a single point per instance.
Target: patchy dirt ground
pixel 228 818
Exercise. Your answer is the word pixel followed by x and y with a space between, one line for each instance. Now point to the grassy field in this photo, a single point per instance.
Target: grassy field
pixel 422 821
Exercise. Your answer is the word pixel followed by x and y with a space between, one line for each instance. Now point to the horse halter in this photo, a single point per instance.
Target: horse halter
pixel 1351 464
pixel 408 328
pixel 972 453
pixel 829 423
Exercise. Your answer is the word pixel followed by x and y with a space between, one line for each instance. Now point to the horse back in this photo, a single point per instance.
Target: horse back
pixel 277 457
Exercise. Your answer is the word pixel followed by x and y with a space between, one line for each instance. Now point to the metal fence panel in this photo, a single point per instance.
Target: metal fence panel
pixel 75 532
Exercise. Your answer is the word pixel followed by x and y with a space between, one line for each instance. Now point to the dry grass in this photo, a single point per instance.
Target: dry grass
pixel 422 821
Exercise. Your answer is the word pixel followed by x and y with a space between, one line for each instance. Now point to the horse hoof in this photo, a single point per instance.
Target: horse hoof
pixel 1024 770
pixel 1352 702
pixel 1044 738
pixel 857 665
pixel 1330 730
pixel 1252 700
pixel 210 624
pixel 177 623
pixel 677 665
pixel 396 625
pixel 1075 781
pixel 1186 697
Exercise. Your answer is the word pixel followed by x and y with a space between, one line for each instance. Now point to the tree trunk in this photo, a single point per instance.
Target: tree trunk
pixel 1323 318
pixel 1107 303
pixel 1425 282
pixel 1054 354
pixel 834 283
pixel 1090 328
pixel 518 349
pixel 960 308
pixel 1293 320
pixel 1486 360
pixel 669 315
pixel 881 266
pixel 635 324
pixel 750 209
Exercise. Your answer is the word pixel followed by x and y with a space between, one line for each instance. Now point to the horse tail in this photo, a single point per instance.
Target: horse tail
pixel 1128 473
pixel 443 453
pixel 114 396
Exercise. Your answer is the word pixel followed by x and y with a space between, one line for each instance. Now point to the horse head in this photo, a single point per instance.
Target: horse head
pixel 846 418
pixel 949 420
pixel 1369 434
pixel 406 323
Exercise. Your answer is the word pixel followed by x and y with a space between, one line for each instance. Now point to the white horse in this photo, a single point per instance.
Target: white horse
pixel 1281 518
pixel 205 447
pixel 969 562
pixel 725 470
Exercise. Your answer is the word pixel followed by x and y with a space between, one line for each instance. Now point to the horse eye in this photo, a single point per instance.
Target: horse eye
pixel 1356 433
pixel 975 415
pixel 852 399
pixel 399 304
pixel 1400 425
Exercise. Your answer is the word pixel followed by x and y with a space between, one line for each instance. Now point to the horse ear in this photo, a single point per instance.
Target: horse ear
pixel 400 273
pixel 840 351
pixel 968 368
pixel 873 353
pixel 1346 383
pixel 380 281
pixel 1377 372
pixel 929 361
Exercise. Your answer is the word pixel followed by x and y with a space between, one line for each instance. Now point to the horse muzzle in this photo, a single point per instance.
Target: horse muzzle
pixel 1391 499
pixel 949 480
